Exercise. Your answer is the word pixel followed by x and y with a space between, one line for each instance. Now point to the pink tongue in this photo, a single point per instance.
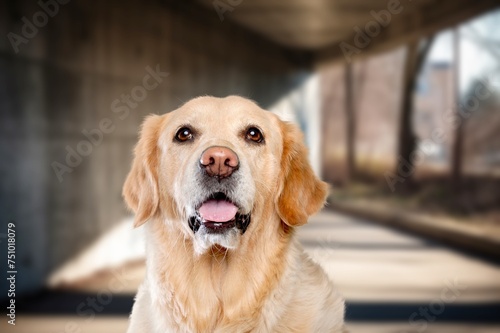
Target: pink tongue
pixel 218 211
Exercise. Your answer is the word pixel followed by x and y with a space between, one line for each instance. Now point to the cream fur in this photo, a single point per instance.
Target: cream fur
pixel 261 281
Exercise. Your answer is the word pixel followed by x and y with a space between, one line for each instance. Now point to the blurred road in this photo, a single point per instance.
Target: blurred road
pixel 393 283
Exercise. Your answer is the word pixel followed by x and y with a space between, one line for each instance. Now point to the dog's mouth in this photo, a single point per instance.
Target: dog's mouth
pixel 218 214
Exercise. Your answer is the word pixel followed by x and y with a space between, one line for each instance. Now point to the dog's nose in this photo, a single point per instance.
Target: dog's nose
pixel 219 162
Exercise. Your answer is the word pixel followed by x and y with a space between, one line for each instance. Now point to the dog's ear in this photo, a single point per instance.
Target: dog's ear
pixel 302 193
pixel 141 186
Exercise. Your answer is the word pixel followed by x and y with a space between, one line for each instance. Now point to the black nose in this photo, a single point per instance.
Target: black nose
pixel 219 162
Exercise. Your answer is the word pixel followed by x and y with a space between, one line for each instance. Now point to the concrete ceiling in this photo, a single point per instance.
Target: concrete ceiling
pixel 309 24
pixel 321 25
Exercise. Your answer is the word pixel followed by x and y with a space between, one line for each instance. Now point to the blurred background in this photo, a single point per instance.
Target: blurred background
pixel 399 101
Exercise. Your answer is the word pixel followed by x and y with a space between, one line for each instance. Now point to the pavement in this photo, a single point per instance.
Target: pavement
pixel 397 282
pixel 474 235
pixel 393 282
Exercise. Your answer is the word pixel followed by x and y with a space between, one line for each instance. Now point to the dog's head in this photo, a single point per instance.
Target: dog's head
pixel 216 167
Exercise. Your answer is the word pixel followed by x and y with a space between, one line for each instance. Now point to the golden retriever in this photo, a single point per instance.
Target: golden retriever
pixel 224 184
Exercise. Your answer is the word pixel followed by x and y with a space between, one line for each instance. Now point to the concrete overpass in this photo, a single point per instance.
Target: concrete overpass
pixel 63 75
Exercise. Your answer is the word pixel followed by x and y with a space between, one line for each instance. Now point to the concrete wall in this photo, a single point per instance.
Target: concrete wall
pixel 65 79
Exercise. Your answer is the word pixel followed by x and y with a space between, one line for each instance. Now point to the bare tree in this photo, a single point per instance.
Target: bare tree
pixel 458 143
pixel 350 122
pixel 415 58
pixel 493 47
pixel 352 84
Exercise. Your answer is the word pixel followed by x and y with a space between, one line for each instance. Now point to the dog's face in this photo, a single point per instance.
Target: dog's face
pixel 215 167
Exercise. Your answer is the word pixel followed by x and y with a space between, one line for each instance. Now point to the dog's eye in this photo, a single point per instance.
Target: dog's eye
pixel 254 134
pixel 184 134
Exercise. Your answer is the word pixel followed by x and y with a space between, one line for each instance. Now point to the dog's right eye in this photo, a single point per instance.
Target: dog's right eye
pixel 184 134
pixel 253 134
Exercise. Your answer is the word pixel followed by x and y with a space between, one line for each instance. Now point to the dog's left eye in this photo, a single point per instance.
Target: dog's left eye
pixel 254 134
pixel 184 134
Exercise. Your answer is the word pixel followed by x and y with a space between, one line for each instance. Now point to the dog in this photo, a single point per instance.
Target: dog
pixel 223 185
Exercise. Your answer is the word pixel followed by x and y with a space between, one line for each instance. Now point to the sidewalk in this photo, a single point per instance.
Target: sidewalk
pixel 392 282
pixel 448 231
pixel 387 276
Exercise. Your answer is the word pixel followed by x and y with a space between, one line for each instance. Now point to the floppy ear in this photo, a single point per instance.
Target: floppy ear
pixel 141 186
pixel 302 193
